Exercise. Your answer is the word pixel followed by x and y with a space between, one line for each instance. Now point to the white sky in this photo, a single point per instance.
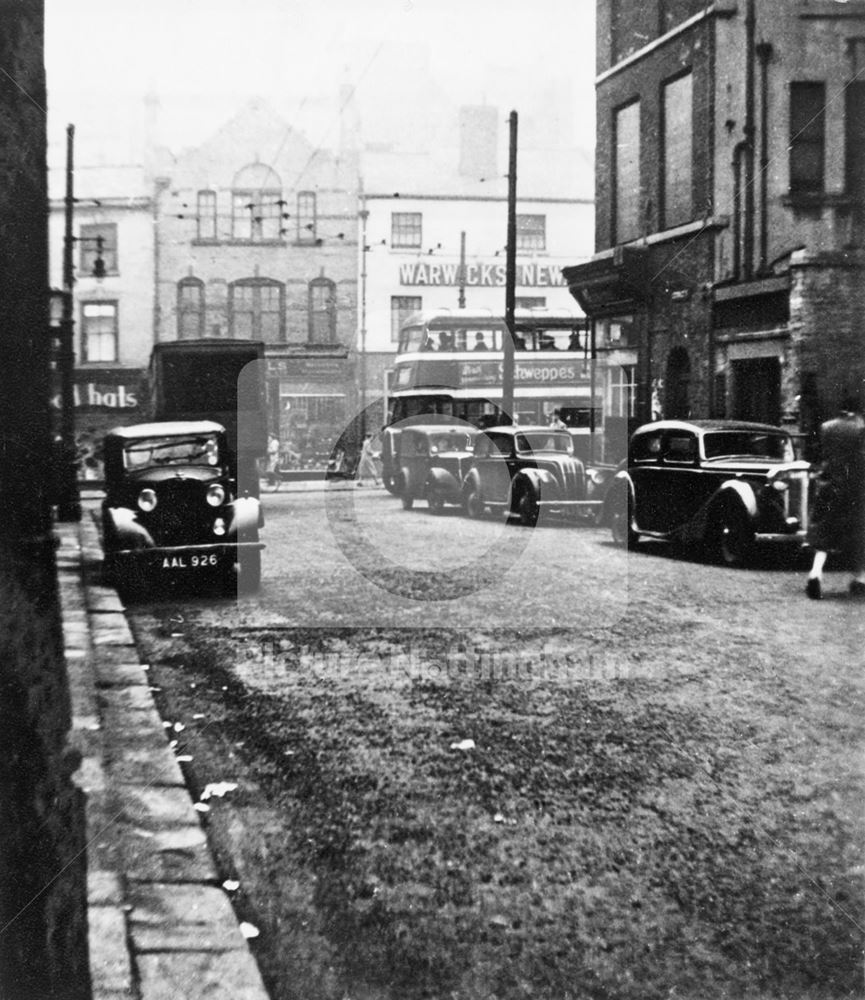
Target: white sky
pixel 205 58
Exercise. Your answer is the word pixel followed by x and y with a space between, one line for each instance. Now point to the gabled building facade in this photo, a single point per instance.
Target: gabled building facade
pixel 728 271
pixel 256 238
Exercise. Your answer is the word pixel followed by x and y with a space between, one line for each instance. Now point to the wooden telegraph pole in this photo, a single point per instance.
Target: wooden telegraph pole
pixel 510 277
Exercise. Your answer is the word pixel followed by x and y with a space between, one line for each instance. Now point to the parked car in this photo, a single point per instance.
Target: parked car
pixel 721 484
pixel 171 509
pixel 523 471
pixel 431 462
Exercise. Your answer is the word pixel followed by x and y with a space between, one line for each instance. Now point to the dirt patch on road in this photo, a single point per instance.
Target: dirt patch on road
pixel 422 815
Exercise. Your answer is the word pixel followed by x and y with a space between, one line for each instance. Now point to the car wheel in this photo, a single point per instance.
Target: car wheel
pixel 733 536
pixel 621 518
pixel 407 501
pixel 473 503
pixel 390 484
pixel 528 507
pixel 249 571
pixel 435 500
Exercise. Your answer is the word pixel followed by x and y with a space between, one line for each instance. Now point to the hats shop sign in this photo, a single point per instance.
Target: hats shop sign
pixel 107 393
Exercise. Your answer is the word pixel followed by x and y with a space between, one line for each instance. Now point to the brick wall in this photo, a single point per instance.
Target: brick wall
pixel 42 898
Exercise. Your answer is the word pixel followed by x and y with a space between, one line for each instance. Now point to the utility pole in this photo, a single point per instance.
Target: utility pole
pixel 510 277
pixel 68 500
pixel 364 215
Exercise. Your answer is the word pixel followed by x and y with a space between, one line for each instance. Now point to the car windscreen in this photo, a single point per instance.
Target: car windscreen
pixel 545 441
pixel 194 449
pixel 748 444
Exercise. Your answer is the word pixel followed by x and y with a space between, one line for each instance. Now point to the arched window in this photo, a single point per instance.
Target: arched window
pixel 676 404
pixel 257 204
pixel 322 311
pixel 190 309
pixel 256 310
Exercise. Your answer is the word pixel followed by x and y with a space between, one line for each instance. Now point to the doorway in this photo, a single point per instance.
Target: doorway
pixel 757 390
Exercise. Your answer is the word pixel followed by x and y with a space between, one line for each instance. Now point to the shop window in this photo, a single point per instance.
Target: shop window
pixel 626 173
pixel 623 389
pixel 206 215
pixel 322 311
pixel 190 309
pixel 307 223
pixel 678 151
pixel 97 240
pixel 256 310
pixel 530 302
pixel 807 137
pixel 401 307
pixel 531 232
pixel 99 331
pixel 406 229
pixel 257 204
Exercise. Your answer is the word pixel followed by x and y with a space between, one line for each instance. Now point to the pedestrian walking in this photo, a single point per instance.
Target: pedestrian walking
pixel 366 467
pixel 556 421
pixel 273 461
pixel 838 518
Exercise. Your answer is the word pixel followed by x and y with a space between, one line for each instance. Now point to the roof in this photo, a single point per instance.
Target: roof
pixel 709 425
pixel 165 428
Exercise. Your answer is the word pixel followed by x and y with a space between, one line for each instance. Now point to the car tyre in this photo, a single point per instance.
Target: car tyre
pixel 621 519
pixel 528 507
pixel 733 535
pixel 473 503
pixel 435 500
pixel 249 571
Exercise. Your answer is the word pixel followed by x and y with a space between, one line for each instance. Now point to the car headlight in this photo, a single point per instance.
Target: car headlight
pixel 215 495
pixel 596 476
pixel 780 485
pixel 147 500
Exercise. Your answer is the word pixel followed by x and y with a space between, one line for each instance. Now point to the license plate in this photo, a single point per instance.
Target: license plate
pixel 191 561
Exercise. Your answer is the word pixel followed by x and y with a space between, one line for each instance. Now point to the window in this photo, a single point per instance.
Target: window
pixel 531 232
pixel 255 310
pixel 306 217
pixel 807 137
pixel 530 302
pixel 322 311
pixel 855 145
pixel 256 204
pixel 623 387
pixel 190 309
pixel 678 151
pixel 90 248
pixel 207 215
pixel 405 229
pixel 401 307
pixel 626 169
pixel 99 331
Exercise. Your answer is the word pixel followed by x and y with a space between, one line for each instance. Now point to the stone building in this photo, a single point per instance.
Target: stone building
pixel 256 238
pixel 728 275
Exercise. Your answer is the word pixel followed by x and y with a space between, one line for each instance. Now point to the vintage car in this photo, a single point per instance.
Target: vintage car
pixel 523 471
pixel 720 484
pixel 171 510
pixel 431 462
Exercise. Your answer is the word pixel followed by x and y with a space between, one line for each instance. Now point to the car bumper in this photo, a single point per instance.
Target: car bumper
pixel 186 557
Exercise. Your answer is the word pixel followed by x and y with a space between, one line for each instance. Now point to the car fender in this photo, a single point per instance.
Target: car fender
pixel 732 491
pixel 442 479
pixel 472 479
pixel 737 490
pixel 245 517
pixel 542 481
pixel 125 530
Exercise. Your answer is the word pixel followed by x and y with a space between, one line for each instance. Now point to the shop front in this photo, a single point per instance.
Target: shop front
pixel 311 402
pixel 104 398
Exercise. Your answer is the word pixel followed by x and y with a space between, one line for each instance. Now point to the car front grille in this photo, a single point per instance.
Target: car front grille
pixel 182 515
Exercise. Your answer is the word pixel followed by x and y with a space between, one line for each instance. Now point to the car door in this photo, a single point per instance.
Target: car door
pixel 681 482
pixel 494 469
pixel 644 468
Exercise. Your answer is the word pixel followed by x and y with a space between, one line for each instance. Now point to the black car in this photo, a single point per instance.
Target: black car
pixel 172 511
pixel 523 471
pixel 720 484
pixel 431 461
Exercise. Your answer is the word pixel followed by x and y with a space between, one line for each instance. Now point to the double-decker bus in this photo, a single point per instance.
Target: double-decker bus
pixel 449 365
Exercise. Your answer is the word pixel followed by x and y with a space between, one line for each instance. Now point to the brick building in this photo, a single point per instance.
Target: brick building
pixel 730 188
pixel 256 238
